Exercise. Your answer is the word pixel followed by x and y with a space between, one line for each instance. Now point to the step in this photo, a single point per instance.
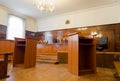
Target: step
pixel 46 58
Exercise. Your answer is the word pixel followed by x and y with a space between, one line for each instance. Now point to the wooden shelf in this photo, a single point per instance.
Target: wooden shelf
pixel 20 42
pixel 85 70
pixel 86 44
pixel 21 45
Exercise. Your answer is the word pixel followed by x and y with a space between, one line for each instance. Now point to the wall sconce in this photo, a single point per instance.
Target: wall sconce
pixel 99 35
pixel 94 34
pixel 67 21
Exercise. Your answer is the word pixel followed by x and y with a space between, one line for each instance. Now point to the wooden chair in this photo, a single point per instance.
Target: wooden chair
pixel 103 44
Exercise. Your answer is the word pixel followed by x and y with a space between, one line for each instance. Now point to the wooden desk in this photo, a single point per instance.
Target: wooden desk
pixel 4 65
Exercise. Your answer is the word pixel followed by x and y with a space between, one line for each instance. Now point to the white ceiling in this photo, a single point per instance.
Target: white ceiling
pixel 26 7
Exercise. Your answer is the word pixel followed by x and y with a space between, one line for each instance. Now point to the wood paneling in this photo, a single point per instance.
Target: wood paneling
pixel 6 46
pixel 62 57
pixel 105 60
pixel 3 30
pixel 61 47
pixel 109 30
pixel 46 49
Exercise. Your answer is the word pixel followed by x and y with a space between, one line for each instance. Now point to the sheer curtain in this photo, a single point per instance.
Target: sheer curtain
pixel 15 28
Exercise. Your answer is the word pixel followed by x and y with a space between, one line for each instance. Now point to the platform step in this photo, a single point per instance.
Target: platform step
pixel 46 58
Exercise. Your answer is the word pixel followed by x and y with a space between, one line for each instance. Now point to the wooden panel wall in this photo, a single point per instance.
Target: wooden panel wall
pixel 46 49
pixel 3 29
pixel 117 37
pixel 62 47
pixel 112 31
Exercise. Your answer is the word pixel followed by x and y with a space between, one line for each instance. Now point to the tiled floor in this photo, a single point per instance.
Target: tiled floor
pixel 56 72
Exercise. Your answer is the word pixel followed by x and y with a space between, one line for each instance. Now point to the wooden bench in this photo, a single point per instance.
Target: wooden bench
pixel 4 65
pixel 49 58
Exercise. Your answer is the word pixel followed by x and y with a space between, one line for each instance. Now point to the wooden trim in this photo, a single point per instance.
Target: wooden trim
pixel 73 33
pixel 113 53
pixel 62 51
pixel 6 53
pixel 6 40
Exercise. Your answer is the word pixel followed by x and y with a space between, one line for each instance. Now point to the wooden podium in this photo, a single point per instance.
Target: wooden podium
pixel 81 54
pixel 25 52
pixel 4 65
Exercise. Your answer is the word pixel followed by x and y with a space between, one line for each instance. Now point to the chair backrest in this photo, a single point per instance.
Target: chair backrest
pixel 103 43
pixel 103 40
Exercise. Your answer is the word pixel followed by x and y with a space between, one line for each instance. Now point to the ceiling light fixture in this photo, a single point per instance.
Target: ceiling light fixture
pixel 45 5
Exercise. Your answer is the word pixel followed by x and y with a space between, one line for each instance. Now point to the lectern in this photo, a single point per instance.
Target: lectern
pixel 25 52
pixel 81 54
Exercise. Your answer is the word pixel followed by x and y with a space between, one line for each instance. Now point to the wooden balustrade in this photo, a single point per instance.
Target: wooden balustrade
pixel 6 46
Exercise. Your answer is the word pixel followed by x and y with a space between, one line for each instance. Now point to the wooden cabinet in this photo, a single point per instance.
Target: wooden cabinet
pixel 81 54
pixel 25 52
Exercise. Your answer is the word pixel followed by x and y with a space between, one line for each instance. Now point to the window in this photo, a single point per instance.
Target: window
pixel 48 37
pixel 15 27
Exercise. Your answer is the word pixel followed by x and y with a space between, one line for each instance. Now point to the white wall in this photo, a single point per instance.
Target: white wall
pixel 94 16
pixel 30 23
pixel 3 16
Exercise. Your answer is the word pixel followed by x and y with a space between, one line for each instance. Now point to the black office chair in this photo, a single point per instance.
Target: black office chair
pixel 103 44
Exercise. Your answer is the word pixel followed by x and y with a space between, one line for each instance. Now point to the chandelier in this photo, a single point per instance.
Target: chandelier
pixel 45 5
